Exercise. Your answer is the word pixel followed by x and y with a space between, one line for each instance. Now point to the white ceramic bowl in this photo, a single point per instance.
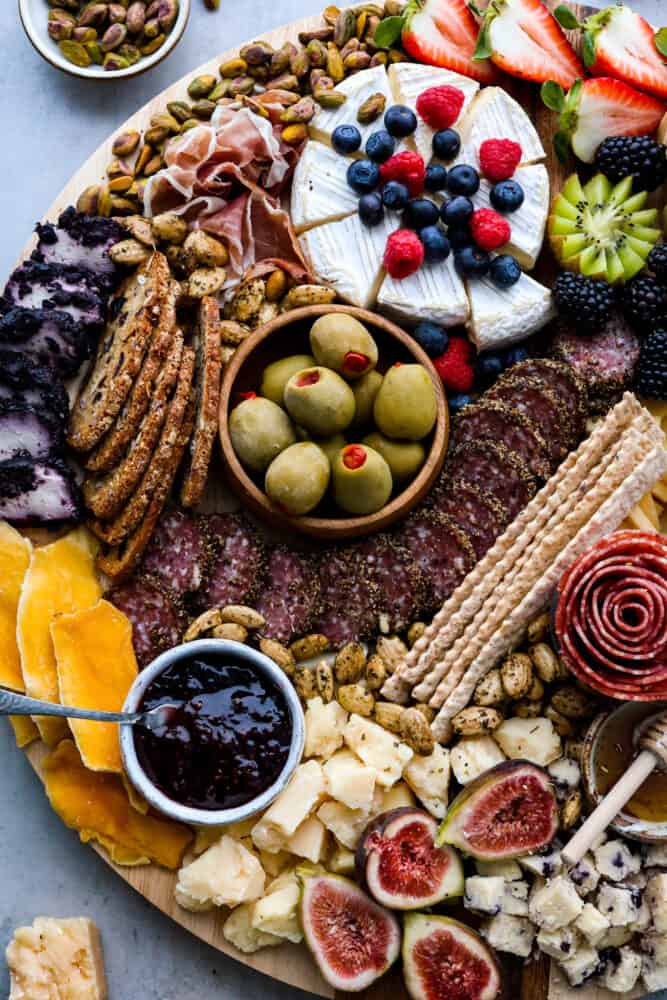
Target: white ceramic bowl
pixel 34 17
pixel 211 817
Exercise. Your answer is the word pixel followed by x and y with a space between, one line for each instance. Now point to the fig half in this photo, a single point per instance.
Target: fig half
pixel 508 811
pixel 352 939
pixel 445 960
pixel 400 865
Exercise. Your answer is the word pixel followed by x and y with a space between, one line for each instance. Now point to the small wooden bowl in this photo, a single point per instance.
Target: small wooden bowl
pixel 288 334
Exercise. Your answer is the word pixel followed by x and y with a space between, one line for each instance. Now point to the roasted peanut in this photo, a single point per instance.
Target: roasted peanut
pixel 538 629
pixel 545 662
pixel 562 725
pixel 392 650
pixel 204 623
pixel 571 810
pixel 572 703
pixel 527 709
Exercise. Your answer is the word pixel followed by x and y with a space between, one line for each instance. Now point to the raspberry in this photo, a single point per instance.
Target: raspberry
pixel 440 106
pixel 454 366
pixel 461 348
pixel 404 253
pixel 406 167
pixel 499 158
pixel 489 229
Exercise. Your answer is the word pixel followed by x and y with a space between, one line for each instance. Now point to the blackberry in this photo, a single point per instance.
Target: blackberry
pixel 657 262
pixel 644 302
pixel 584 301
pixel 651 373
pixel 636 156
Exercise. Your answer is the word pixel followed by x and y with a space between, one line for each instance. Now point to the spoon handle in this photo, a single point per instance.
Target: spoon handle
pixel 12 703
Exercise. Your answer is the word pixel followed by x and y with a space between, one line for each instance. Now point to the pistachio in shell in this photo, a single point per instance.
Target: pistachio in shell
pixel 75 52
pixel 125 143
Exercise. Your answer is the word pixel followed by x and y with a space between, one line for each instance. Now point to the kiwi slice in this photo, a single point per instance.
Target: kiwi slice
pixel 602 230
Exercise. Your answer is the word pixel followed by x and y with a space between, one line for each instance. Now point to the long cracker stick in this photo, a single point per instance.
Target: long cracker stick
pixel 458 609
pixel 607 518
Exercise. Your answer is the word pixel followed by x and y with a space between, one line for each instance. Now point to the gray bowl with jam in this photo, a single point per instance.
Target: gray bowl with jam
pixel 234 736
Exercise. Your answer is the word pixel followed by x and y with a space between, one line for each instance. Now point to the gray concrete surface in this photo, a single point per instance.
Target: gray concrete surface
pixel 50 123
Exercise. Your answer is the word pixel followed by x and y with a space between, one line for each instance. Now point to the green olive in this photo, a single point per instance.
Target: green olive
pixel 342 343
pixel 331 445
pixel 365 390
pixel 277 375
pixel 405 406
pixel 298 478
pixel 404 458
pixel 362 481
pixel 259 430
pixel 319 400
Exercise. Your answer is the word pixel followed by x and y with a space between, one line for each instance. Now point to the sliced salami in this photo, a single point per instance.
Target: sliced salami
pixel 606 360
pixel 237 561
pixel 493 467
pixel 349 597
pixel 176 554
pixel 476 511
pixel 533 397
pixel 397 579
pixel 155 616
pixel 442 551
pixel 565 382
pixel 492 420
pixel 290 598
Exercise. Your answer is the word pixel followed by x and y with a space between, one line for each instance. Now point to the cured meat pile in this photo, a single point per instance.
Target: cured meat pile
pixel 611 618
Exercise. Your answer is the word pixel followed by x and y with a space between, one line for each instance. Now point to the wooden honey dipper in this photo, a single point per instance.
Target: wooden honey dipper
pixel 653 746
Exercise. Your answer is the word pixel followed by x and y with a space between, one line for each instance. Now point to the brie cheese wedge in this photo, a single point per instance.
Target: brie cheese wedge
pixel 320 192
pixel 495 115
pixel 348 255
pixel 435 292
pixel 528 222
pixel 357 89
pixel 409 80
pixel 502 316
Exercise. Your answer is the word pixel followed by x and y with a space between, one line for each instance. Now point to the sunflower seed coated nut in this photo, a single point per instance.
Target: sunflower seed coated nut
pixel 131 253
pixel 490 690
pixel 279 654
pixel 474 720
pixel 355 698
pixel 307 295
pixel 416 732
pixel 516 673
pixel 309 646
pixel 169 228
pixel 388 715
pixel 324 681
pixel 305 684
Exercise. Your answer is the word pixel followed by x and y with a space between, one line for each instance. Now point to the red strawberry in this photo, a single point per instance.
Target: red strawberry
pixel 444 33
pixel 440 106
pixel 524 38
pixel 499 158
pixel 598 108
pixel 489 229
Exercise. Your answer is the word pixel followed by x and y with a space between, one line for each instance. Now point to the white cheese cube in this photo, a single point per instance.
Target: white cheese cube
pixel 583 964
pixel 324 728
pixel 511 934
pixel 616 937
pixel 275 863
pixel 341 861
pixel 556 904
pixel 561 944
pixel 305 789
pixel 655 945
pixel 238 930
pixel 620 906
pixel 655 854
pixel 277 912
pixel 347 825
pixel 378 749
pixel 592 924
pixel 396 797
pixel 566 774
pixel 473 756
pixel 515 899
pixel 484 894
pixel 620 976
pixel 349 780
pixel 226 874
pixel 643 918
pixel 654 976
pixel 543 865
pixel 509 870
pixel 615 861
pixel 585 875
pixel 309 840
pixel 428 777
pixel 656 896
pixel 529 739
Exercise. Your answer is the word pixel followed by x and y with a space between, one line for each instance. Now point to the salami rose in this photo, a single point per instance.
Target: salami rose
pixel 611 616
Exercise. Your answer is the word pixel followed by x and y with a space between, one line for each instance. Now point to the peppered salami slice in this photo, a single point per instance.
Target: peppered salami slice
pixel 490 419
pixel 176 554
pixel 237 561
pixel 565 382
pixel 533 397
pixel 606 360
pixel 349 597
pixel 493 467
pixel 155 616
pixel 476 511
pixel 442 551
pixel 290 598
pixel 398 581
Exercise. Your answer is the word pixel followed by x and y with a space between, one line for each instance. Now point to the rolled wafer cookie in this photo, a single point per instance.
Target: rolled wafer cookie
pixel 570 509
pixel 647 470
pixel 458 609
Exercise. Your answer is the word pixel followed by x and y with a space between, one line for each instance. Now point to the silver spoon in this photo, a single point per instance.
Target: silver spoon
pixel 12 703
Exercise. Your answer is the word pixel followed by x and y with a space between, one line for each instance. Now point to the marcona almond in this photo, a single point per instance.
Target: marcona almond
pixel 309 646
pixel 388 715
pixel 324 681
pixel 475 720
pixel 279 654
pixel 516 672
pixel 490 690
pixel 229 630
pixel 240 614
pixel 416 732
pixel 349 663
pixel 354 698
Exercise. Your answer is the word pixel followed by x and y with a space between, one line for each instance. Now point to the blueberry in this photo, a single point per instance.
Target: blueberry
pixel 458 401
pixel 346 138
pixel 459 237
pixel 363 176
pixel 514 356
pixel 471 262
pixel 431 338
pixel 436 177
pixel 371 208
pixel 457 211
pixel 436 244
pixel 446 144
pixel 420 212
pixel 395 196
pixel 463 179
pixel 379 146
pixel 507 196
pixel 505 270
pixel 488 368
pixel 400 121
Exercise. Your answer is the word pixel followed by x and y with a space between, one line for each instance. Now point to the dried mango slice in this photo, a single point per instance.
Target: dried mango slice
pixel 25 730
pixel 96 667
pixel 96 804
pixel 15 553
pixel 61 579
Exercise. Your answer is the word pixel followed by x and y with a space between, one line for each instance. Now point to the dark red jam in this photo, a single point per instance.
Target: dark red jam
pixel 227 740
